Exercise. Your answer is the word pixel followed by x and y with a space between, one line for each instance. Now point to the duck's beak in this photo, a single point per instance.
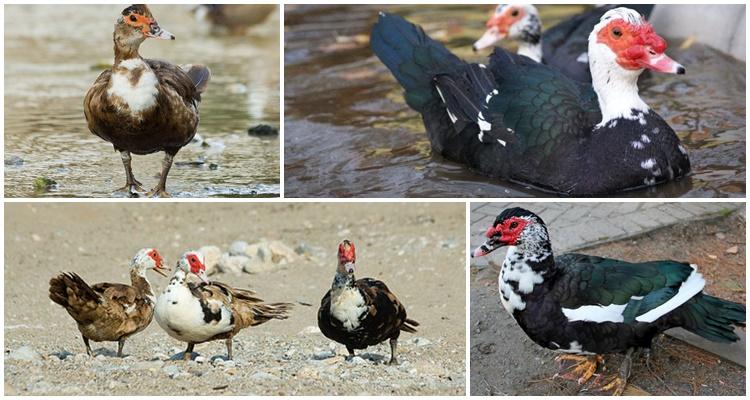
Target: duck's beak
pixel 662 63
pixel 488 247
pixel 203 277
pixel 490 37
pixel 160 268
pixel 157 32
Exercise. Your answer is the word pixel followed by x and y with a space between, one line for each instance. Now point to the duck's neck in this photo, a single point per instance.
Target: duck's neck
pixel 141 284
pixel 615 87
pixel 341 282
pixel 125 50
pixel 531 50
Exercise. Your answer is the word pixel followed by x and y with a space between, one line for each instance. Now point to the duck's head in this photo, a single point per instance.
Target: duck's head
pixel 347 258
pixel 513 21
pixel 514 227
pixel 149 258
pixel 136 24
pixel 624 39
pixel 192 262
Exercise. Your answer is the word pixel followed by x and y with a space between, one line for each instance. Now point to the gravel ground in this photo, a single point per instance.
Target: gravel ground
pixel 504 361
pixel 417 249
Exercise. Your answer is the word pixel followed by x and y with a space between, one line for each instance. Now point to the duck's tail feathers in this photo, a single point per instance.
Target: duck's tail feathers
pixel 413 58
pixel 199 74
pixel 75 295
pixel 410 326
pixel 712 318
pixel 263 312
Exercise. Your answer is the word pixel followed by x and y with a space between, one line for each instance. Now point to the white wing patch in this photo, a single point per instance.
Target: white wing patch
pixel 693 285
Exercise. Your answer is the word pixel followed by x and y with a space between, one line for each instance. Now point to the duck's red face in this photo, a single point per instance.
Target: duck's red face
pixel 158 262
pixel 139 17
pixel 503 20
pixel 196 266
pixel 505 233
pixel 347 256
pixel 637 46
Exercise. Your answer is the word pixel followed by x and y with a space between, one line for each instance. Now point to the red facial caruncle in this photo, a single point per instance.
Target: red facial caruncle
pixel 509 230
pixel 346 252
pixel 196 266
pixel 637 46
pixel 504 20
pixel 156 257
pixel 140 21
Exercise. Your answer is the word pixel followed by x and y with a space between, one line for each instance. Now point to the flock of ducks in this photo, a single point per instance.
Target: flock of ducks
pixel 355 313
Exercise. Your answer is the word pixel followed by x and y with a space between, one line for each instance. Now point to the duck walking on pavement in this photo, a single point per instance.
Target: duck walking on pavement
pixel 587 306
pixel 144 106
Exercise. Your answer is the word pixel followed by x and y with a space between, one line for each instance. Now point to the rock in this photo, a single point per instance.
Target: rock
pixel 233 264
pixel 281 253
pixel 263 130
pixel 323 355
pixel 308 373
pixel 171 370
pixel 25 353
pixel 310 330
pixel 100 357
pixel 211 255
pixel 420 341
pixel 356 360
pixel 200 359
pixel 237 248
pixel 732 250
pixel 713 256
pixel 14 161
pixel 263 376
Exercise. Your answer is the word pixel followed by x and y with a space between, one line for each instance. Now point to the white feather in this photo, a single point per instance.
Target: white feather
pixel 139 96
pixel 690 287
pixel 347 306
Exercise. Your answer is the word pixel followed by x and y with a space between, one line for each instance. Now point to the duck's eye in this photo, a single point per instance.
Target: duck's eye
pixel 133 18
pixel 514 13
pixel 513 225
pixel 616 32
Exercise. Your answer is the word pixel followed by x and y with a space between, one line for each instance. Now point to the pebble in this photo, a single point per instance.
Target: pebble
pixel 100 357
pixel 237 248
pixel 309 330
pixel 308 373
pixel 233 264
pixel 25 353
pixel 420 341
pixel 357 361
pixel 262 130
pixel 211 255
pixel 732 250
pixel 323 355
pixel 171 370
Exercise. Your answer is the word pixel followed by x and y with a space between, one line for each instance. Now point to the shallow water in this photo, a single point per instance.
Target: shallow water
pixel 348 131
pixel 54 53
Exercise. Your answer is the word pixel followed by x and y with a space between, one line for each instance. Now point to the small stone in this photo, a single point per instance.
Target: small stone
pixel 36 237
pixel 237 248
pixel 732 250
pixel 358 361
pixel 229 363
pixel 200 359
pixel 25 353
pixel 263 130
pixel 171 370
pixel 211 255
pixel 309 330
pixel 308 373
pixel 14 161
pixel 420 341
pixel 100 357
pixel 713 256
pixel 233 264
pixel 323 355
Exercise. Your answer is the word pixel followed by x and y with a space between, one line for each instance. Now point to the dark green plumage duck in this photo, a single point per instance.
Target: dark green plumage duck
pixel 586 305
pixel 521 121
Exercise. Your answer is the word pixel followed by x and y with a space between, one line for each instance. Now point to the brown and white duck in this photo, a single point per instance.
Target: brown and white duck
pixel 206 311
pixel 143 106
pixel 362 312
pixel 110 312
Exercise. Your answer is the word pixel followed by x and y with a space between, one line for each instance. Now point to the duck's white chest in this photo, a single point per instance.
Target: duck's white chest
pixel 182 315
pixel 347 306
pixel 135 85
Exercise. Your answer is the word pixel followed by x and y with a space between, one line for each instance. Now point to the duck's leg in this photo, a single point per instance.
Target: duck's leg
pixel 160 190
pixel 393 360
pixel 120 345
pixel 188 355
pixel 132 186
pixel 351 353
pixel 577 368
pixel 616 383
pixel 229 349
pixel 88 348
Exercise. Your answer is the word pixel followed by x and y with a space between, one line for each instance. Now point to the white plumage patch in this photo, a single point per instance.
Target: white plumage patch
pixel 583 58
pixel 637 145
pixel 693 285
pixel 347 306
pixel 648 164
pixel 180 314
pixel 139 96
pixel 597 313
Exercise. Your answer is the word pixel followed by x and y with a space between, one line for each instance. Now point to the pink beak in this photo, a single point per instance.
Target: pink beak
pixel 662 63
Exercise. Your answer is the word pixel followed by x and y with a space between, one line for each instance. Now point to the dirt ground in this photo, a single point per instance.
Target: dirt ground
pixel 417 249
pixel 504 361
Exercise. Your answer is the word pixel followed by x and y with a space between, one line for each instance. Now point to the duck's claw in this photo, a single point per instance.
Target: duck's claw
pixel 158 193
pixel 577 368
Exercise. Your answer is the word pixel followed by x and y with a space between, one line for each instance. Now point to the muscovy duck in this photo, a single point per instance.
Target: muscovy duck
pixel 526 122
pixel 144 106
pixel 564 46
pixel 110 312
pixel 587 305
pixel 361 312
pixel 207 311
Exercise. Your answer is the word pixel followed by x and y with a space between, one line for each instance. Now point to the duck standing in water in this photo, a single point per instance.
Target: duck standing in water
pixel 143 106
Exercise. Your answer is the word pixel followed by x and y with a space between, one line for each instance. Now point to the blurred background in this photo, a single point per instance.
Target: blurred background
pixel 348 131
pixel 54 53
